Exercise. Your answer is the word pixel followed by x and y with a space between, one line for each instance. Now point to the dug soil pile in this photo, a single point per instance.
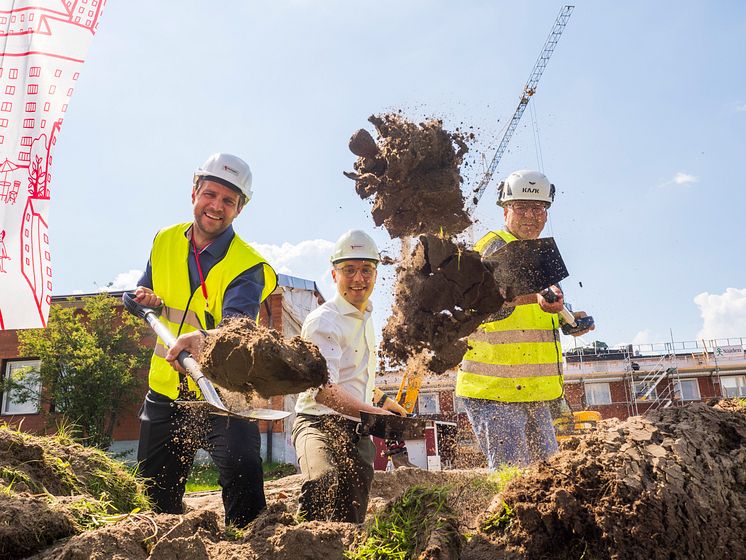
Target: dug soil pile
pixel 443 292
pixel 671 484
pixel 244 357
pixel 412 173
pixel 52 488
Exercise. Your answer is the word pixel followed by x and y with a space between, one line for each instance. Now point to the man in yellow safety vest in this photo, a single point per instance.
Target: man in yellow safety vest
pixel 201 272
pixel 513 367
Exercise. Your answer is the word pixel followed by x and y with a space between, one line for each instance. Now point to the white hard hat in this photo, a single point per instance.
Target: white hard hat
pixel 229 170
pixel 525 185
pixel 355 244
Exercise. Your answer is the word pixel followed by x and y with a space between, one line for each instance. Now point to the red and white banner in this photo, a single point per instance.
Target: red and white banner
pixel 42 48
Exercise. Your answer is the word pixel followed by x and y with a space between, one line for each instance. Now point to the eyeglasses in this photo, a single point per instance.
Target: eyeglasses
pixel 350 271
pixel 529 208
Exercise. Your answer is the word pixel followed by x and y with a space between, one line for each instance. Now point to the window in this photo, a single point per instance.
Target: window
pixel 734 386
pixel 688 390
pixel 31 381
pixel 597 393
pixel 641 389
pixel 428 403
pixel 7 106
pixel 458 404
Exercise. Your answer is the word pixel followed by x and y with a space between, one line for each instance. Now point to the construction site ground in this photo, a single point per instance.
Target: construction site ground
pixel 671 484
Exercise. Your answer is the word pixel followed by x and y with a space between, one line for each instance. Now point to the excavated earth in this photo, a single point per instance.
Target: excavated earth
pixel 443 292
pixel 412 173
pixel 244 358
pixel 671 484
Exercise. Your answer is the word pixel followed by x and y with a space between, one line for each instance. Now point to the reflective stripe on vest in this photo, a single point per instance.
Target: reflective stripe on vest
pixel 516 359
pixel 168 261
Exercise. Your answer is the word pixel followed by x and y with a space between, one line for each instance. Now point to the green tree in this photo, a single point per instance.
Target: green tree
pixel 89 363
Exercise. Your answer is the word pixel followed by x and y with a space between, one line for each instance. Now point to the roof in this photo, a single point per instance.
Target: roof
pixel 284 280
pixel 296 283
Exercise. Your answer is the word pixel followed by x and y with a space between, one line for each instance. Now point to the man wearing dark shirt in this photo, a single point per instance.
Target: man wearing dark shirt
pixel 201 273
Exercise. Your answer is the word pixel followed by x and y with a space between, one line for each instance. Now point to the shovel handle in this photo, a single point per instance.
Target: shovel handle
pixel 567 317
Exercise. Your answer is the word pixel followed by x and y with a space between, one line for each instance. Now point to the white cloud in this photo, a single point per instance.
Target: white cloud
pixel 723 315
pixel 680 178
pixel 308 259
pixel 643 337
pixel 123 281
pixel 684 178
pixel 741 108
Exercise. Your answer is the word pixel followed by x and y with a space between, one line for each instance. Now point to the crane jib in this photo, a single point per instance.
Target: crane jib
pixel 528 92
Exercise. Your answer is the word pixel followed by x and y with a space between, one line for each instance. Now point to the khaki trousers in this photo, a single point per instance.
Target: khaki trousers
pixel 337 465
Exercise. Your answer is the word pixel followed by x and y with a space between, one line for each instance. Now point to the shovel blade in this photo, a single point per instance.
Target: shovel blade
pixel 527 266
pixel 391 426
pixel 248 413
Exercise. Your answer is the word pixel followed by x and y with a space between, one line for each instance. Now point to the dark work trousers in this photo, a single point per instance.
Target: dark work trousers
pixel 169 438
pixel 337 466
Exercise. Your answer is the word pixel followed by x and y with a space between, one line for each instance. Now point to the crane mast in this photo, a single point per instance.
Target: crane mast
pixel 528 92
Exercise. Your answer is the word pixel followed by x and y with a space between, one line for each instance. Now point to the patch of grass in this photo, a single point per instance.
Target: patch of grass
pixel 393 534
pixel 496 481
pixel 13 476
pixel 204 477
pixel 274 471
pixel 499 521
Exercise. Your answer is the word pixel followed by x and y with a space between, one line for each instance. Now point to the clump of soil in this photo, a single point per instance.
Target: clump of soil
pixel 671 484
pixel 443 292
pixel 245 357
pixel 412 172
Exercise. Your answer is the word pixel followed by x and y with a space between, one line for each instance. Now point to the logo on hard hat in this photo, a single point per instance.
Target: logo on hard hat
pixel 527 190
pixel 356 246
pixel 230 169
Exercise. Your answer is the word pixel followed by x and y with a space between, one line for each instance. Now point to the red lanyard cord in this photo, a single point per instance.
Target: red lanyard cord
pixel 199 268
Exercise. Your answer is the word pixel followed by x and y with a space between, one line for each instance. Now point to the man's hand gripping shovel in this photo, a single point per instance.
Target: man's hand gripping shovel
pixel 212 400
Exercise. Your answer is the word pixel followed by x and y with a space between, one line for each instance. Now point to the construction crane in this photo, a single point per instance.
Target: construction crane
pixel 528 92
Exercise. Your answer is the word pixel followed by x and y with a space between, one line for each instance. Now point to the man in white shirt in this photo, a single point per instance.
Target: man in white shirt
pixel 336 462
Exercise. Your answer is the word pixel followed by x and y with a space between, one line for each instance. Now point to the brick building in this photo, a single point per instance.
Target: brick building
pixel 284 310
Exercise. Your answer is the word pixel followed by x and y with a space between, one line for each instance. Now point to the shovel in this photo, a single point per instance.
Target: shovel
pixel 527 266
pixel 212 400
pixel 392 426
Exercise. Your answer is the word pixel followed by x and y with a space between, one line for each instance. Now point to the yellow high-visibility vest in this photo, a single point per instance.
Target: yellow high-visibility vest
pixel 516 359
pixel 184 311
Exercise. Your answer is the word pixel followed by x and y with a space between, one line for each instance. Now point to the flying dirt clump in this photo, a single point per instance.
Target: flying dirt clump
pixel 412 172
pixel 670 484
pixel 245 357
pixel 443 292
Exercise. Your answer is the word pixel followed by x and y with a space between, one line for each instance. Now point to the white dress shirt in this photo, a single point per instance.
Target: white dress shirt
pixel 346 338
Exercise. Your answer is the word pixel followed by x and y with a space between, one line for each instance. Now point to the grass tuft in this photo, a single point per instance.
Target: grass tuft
pixel 397 531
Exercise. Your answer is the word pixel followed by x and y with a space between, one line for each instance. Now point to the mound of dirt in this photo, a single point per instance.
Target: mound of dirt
pixel 443 292
pixel 671 484
pixel 245 357
pixel 53 488
pixel 412 172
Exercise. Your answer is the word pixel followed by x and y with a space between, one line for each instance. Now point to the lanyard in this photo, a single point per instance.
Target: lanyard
pixel 199 268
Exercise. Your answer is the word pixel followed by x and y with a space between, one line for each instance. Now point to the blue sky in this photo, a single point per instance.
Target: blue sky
pixel 641 118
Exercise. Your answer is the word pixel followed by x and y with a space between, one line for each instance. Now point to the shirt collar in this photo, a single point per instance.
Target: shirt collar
pixel 219 246
pixel 346 308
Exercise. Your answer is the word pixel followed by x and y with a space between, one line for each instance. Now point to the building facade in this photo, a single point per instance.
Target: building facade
pixel 284 310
